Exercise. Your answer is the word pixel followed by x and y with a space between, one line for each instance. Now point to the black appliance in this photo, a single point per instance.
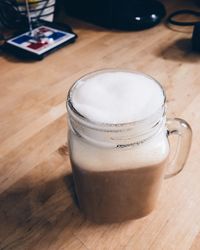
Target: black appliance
pixel 118 14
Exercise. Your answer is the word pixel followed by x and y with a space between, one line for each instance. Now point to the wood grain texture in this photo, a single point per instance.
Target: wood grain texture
pixel 37 201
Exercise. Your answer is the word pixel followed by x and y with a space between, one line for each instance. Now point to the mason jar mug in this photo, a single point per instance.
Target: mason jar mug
pixel 118 168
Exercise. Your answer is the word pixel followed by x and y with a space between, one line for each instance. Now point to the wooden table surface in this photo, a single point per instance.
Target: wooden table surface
pixel 37 208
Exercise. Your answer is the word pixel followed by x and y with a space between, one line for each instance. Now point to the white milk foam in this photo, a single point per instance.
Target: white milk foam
pixel 117 97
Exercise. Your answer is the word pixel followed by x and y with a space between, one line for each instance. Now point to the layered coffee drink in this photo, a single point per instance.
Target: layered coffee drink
pixel 118 144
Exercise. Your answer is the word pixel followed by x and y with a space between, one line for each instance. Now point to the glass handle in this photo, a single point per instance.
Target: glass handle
pixel 183 132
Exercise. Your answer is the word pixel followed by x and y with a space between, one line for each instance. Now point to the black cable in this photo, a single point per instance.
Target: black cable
pixel 171 19
pixel 196 24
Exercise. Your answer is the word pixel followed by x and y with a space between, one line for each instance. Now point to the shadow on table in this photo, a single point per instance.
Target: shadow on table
pixel 14 59
pixel 38 215
pixel 180 50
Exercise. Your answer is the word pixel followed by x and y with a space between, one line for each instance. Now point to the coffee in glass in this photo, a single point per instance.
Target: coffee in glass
pixel 118 141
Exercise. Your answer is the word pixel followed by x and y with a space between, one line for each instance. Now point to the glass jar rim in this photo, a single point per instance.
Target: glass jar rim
pixel 86 120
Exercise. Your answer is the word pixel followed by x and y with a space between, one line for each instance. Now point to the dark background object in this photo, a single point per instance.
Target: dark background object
pixel 196 38
pixel 118 14
pixel 10 17
pixel 13 13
